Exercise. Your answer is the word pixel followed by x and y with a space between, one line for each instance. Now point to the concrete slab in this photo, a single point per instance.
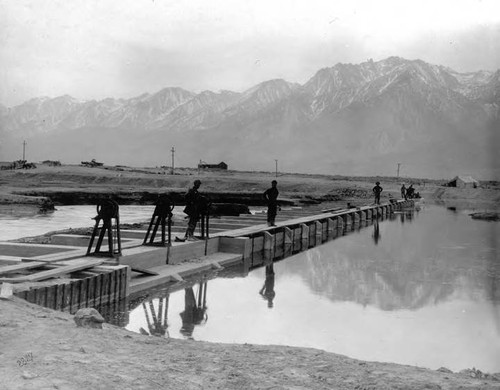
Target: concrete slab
pixel 168 273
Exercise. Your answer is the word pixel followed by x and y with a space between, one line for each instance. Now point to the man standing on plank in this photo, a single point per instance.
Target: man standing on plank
pixel 271 197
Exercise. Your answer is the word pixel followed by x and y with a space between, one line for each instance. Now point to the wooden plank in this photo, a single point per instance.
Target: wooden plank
pixel 59 296
pixel 19 267
pixel 40 296
pixel 123 283
pixel 112 286
pixel 52 273
pixel 51 297
pixel 106 282
pixel 268 241
pixel 98 289
pixel 31 296
pixel 83 299
pixel 142 270
pixel 21 294
pixel 91 291
pixel 55 257
pixel 288 236
pixel 312 234
pixel 75 296
pixel 319 233
pixel 304 236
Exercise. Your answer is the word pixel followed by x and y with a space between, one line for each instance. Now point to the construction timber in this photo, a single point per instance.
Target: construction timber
pixel 61 275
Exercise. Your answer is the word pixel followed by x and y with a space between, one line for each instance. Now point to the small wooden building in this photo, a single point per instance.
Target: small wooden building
pixel 203 165
pixel 463 182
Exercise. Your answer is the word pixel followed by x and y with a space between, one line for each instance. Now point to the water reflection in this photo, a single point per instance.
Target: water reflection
pixel 267 291
pixel 157 322
pixel 376 232
pixel 429 291
pixel 195 309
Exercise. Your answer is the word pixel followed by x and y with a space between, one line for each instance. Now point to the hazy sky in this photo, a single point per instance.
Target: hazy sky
pixel 91 49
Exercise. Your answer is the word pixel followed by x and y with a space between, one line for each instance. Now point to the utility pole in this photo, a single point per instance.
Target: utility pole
pixel 24 150
pixel 173 152
pixel 399 164
pixel 276 161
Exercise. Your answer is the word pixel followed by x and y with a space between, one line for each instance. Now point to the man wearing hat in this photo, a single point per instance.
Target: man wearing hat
pixel 377 190
pixel 271 197
pixel 192 209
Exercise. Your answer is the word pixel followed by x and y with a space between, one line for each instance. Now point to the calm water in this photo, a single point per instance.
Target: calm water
pixel 16 225
pixel 421 289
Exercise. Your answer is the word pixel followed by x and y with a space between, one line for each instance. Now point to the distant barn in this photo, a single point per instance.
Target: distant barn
pixel 463 182
pixel 221 165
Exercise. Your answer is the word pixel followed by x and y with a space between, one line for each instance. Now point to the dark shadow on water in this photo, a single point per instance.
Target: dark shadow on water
pixel 267 291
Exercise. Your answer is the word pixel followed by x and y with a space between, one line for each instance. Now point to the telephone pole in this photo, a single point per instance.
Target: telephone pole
pixel 24 150
pixel 173 152
pixel 399 164
pixel 276 161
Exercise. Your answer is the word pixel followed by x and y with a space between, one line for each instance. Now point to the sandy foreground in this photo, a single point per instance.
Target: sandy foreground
pixel 44 349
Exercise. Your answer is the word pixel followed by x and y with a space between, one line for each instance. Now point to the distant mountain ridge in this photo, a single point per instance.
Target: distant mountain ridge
pixel 347 119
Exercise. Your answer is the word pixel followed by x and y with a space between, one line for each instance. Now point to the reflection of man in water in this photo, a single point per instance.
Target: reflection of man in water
pixel 192 314
pixel 376 232
pixel 267 291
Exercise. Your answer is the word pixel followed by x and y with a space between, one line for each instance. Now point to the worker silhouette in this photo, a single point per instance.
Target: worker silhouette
pixel 410 192
pixel 267 291
pixel 377 190
pixel 192 209
pixel 403 192
pixel 271 197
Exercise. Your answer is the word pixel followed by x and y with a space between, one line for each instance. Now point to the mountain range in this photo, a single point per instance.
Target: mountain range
pixel 353 119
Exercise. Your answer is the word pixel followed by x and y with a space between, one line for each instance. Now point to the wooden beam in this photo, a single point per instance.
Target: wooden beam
pixel 19 267
pixel 54 272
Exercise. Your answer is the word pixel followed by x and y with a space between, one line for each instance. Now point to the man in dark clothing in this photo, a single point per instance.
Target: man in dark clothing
pixel 271 197
pixel 192 209
pixel 377 190
pixel 410 191
pixel 403 192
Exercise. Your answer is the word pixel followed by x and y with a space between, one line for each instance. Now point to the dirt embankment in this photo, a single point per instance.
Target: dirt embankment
pixel 43 349
pixel 82 185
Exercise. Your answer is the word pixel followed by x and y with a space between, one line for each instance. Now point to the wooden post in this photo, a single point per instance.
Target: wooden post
pixel 319 233
pixel 330 227
pixel 304 236
pixel 287 241
pixel 59 296
pixel 269 241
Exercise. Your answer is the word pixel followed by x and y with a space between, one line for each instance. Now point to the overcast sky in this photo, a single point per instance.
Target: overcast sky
pixel 92 49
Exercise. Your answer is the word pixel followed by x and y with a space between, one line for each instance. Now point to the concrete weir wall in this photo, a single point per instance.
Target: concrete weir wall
pixel 74 280
pixel 295 235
